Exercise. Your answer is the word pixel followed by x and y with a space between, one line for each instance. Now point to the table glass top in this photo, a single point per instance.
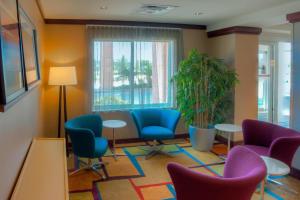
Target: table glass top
pixel 114 123
pixel 228 127
pixel 276 167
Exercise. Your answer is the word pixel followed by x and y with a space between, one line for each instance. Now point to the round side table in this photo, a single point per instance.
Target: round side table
pixel 229 129
pixel 113 124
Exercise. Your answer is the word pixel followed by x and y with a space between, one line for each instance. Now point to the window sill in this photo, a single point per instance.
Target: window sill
pixel 129 109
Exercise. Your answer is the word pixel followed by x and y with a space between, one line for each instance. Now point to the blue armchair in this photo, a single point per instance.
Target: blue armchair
pixel 87 142
pixel 155 124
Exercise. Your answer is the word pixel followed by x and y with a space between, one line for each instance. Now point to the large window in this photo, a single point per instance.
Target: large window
pixel 132 74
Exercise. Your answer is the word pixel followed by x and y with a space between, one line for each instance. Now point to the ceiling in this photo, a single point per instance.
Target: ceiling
pixel 280 29
pixel 215 13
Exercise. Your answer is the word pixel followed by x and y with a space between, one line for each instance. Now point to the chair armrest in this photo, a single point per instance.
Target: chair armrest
pixel 83 141
pixel 284 148
pixel 170 119
pixel 137 119
pixel 257 133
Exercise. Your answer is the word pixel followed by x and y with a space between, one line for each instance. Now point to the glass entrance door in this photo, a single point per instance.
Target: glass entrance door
pixel 274 77
pixel 283 89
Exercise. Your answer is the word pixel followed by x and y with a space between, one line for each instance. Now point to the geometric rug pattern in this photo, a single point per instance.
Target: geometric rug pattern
pixel 132 177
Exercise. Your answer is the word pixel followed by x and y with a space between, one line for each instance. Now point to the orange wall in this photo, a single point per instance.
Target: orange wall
pixel 67 45
pixel 23 121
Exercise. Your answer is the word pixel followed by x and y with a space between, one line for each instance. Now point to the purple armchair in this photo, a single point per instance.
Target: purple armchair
pixel 243 171
pixel 271 140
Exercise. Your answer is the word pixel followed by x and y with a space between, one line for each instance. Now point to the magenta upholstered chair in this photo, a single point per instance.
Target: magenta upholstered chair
pixel 271 140
pixel 243 171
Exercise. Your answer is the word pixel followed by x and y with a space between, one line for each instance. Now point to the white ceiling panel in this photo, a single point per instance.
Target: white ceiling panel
pixel 213 11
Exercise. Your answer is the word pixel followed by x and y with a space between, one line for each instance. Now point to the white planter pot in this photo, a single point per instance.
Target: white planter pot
pixel 202 139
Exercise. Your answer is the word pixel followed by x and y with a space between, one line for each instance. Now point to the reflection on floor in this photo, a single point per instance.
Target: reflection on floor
pixel 132 177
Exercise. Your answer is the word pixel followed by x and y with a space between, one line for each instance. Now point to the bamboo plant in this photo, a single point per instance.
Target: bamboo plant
pixel 204 86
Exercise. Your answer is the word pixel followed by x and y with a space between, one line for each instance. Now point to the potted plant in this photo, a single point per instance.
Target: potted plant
pixel 204 88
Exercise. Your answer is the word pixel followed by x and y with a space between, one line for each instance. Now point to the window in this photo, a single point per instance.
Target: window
pixel 132 74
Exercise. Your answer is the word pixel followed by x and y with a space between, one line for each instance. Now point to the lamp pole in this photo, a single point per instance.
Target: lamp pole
pixel 59 111
pixel 64 89
pixel 62 92
pixel 62 76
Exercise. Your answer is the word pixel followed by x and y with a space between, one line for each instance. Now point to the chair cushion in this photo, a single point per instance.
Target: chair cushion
pixel 156 133
pixel 260 150
pixel 101 146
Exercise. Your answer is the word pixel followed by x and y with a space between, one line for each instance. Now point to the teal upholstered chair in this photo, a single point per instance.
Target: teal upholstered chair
pixel 155 124
pixel 87 142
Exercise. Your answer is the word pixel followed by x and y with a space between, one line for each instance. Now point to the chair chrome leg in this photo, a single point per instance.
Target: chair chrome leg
pixel 150 154
pixel 94 169
pixel 166 153
pixel 78 170
pixel 145 148
pixel 89 166
pixel 285 187
pixel 154 150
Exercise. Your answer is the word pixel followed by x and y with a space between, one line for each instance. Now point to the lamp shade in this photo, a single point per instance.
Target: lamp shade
pixel 62 76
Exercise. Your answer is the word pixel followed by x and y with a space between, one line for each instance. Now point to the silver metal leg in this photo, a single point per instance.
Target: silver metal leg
pixel 89 166
pixel 113 147
pixel 228 143
pixel 154 150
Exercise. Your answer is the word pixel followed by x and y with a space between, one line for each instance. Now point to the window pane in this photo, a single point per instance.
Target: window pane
pixel 265 83
pixel 151 73
pixel 132 74
pixel 122 67
pixel 111 78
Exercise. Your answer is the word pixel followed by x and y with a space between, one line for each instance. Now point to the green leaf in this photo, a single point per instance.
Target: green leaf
pixel 204 89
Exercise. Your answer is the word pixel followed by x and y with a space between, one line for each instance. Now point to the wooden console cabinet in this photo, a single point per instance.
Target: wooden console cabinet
pixel 44 174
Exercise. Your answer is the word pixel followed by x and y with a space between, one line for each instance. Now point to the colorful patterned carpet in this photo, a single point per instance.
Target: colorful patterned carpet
pixel 132 177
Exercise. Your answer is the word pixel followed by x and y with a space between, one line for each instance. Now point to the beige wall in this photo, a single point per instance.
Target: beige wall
pixel 22 121
pixel 223 47
pixel 239 51
pixel 246 63
pixel 67 45
pixel 194 39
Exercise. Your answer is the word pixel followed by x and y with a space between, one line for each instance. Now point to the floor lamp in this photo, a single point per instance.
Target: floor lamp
pixel 62 76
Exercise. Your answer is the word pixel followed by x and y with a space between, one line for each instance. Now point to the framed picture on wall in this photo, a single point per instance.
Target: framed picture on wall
pixel 29 47
pixel 12 79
